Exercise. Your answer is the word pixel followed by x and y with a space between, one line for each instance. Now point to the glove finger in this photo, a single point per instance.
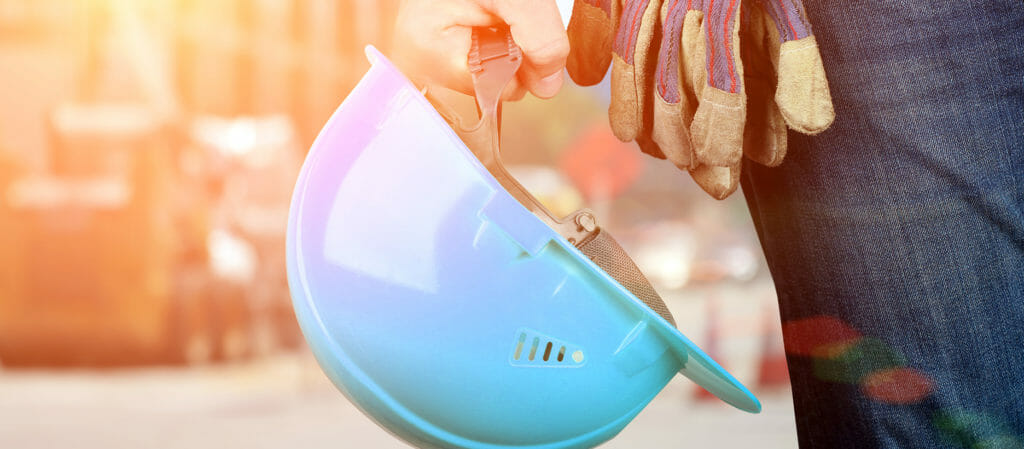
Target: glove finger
pixel 631 67
pixel 764 136
pixel 802 94
pixel 717 127
pixel 670 129
pixel 692 58
pixel 719 182
pixel 591 30
pixel 650 147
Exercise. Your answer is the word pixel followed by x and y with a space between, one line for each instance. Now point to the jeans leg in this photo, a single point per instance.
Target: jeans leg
pixel 896 238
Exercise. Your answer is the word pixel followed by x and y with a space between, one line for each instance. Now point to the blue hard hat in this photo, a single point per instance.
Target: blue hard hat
pixel 447 310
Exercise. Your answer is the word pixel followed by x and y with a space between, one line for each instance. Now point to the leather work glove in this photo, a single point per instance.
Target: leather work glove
pixel 724 80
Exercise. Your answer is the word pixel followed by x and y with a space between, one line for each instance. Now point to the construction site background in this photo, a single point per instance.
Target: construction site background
pixel 147 154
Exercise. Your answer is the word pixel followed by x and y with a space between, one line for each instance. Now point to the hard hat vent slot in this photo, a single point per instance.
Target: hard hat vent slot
pixel 535 349
pixel 519 347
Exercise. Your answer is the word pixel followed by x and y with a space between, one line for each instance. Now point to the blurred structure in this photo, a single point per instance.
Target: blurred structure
pixel 183 57
pixel 89 245
pixel 147 155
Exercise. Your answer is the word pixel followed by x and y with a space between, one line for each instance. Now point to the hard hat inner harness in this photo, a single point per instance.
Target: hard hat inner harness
pixel 494 59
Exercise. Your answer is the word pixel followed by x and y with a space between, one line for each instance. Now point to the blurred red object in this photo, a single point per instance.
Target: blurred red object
pixel 898 385
pixel 818 335
pixel 601 166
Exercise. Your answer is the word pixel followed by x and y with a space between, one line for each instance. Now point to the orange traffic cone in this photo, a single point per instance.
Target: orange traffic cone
pixel 772 371
pixel 710 345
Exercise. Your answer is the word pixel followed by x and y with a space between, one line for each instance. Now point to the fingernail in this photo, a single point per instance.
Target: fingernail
pixel 548 86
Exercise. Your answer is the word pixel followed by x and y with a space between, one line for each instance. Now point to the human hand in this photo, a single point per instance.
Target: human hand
pixel 714 88
pixel 432 40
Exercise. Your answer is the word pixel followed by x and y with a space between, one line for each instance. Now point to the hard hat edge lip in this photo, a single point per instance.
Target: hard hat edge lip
pixel 673 337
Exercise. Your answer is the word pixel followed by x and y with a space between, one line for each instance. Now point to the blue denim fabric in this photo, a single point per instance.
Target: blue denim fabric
pixel 905 220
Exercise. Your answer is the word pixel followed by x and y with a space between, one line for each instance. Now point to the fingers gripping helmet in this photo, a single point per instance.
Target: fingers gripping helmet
pixel 448 305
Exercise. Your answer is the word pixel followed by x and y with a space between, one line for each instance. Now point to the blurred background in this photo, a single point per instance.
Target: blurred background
pixel 147 153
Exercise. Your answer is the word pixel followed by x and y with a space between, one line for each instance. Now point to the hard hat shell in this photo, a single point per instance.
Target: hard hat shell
pixel 448 312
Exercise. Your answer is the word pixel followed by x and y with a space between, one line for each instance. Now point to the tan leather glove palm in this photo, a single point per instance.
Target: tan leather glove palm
pixel 723 80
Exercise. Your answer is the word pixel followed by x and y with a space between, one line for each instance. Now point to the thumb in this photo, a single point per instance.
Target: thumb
pixel 536 26
pixel 802 93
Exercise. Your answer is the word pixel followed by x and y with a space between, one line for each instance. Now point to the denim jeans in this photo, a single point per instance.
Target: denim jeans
pixel 896 238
